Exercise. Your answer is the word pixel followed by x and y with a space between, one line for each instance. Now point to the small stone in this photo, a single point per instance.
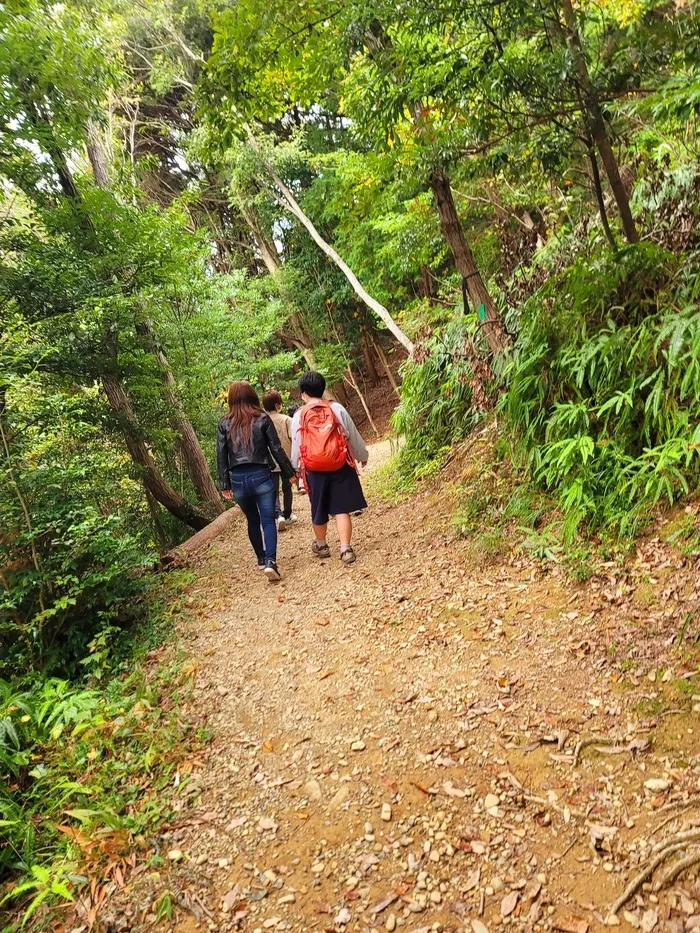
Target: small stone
pixel 340 796
pixel 386 812
pixel 649 920
pixel 317 868
pixel 612 920
pixel 287 899
pixel 312 789
pixel 343 917
pixel 266 824
pixel 271 922
pixel 491 801
pixel 657 785
pixel 175 855
pixel 358 746
pixel 436 897
pixel 390 923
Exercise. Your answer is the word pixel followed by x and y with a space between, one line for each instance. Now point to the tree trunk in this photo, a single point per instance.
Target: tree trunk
pixel 265 244
pixel 363 401
pixel 596 123
pixel 385 363
pixel 152 479
pixel 96 155
pixel 192 454
pixel 157 524
pixel 451 227
pixel 299 336
pixel 369 359
pixel 598 189
pixel 290 202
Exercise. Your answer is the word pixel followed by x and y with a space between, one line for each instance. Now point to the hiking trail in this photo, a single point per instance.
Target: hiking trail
pixel 427 740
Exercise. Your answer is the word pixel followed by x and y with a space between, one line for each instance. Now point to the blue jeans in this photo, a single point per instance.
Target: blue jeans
pixel 253 489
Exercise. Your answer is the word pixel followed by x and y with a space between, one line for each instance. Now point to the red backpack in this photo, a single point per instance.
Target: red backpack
pixel 322 442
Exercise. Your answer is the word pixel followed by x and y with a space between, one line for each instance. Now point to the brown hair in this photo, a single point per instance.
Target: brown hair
pixel 243 409
pixel 271 400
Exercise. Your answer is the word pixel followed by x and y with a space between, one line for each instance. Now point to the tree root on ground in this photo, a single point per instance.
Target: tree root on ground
pixel 690 835
pixel 635 745
pixel 676 869
pixel 645 873
pixel 533 798
pixel 688 840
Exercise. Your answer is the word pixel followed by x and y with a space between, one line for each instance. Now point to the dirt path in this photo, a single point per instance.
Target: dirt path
pixel 393 741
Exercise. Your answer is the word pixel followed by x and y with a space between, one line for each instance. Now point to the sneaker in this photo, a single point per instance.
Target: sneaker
pixel 292 518
pixel 358 513
pixel 261 565
pixel 271 571
pixel 320 550
pixel 281 524
pixel 348 556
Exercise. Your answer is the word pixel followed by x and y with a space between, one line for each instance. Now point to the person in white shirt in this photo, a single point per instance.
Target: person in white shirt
pixel 335 492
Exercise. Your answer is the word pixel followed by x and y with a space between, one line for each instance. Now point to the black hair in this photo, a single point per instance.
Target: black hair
pixel 292 409
pixel 312 384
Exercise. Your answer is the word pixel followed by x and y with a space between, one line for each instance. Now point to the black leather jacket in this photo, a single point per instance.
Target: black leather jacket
pixel 264 448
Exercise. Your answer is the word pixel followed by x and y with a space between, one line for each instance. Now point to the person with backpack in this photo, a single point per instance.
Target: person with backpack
pixel 247 448
pixel 326 446
pixel 272 403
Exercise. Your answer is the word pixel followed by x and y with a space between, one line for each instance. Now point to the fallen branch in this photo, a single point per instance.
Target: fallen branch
pixel 199 540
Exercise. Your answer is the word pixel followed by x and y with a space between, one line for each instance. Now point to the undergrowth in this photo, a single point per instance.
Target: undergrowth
pixel 598 406
pixel 437 407
pixel 602 407
pixel 86 770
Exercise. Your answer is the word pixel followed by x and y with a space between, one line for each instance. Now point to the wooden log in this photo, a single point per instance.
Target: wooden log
pixel 183 552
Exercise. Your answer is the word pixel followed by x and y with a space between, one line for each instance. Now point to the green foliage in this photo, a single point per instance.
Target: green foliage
pixel 72 556
pixel 602 405
pixel 82 773
pixel 436 409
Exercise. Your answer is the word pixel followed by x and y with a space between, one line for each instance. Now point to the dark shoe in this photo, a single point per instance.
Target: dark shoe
pixel 261 565
pixel 271 571
pixel 320 550
pixel 348 556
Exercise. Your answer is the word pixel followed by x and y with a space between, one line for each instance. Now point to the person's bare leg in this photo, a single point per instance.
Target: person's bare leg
pixel 344 525
pixel 320 545
pixel 320 531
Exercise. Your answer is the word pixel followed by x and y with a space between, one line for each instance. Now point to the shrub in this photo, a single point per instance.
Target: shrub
pixel 441 399
pixel 603 399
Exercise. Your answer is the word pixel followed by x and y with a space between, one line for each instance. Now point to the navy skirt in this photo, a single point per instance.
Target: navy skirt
pixel 335 493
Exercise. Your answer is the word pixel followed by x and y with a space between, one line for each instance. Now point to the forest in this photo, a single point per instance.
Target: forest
pixel 462 214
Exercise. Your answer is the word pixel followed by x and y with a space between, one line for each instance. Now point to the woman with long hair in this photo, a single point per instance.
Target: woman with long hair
pixel 247 449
